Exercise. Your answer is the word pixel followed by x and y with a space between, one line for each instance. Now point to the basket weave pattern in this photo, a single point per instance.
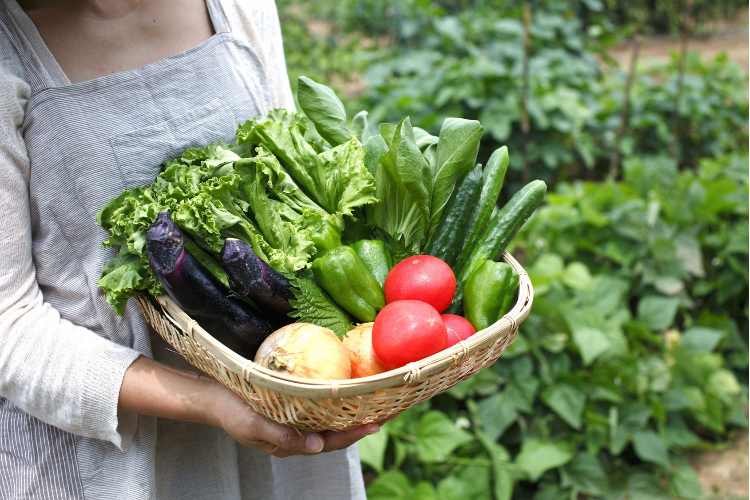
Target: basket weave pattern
pixel 316 405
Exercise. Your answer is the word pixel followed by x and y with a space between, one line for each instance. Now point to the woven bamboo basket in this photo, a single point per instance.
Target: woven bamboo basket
pixel 317 405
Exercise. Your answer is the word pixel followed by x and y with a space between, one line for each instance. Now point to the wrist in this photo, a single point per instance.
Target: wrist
pixel 152 388
pixel 201 400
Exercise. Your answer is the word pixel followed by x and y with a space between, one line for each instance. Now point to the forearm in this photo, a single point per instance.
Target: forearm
pixel 152 388
pixel 155 389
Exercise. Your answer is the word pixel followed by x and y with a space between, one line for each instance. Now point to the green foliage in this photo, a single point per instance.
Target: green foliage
pixel 436 60
pixel 636 349
pixel 469 65
pixel 712 114
pixel 314 45
pixel 667 16
pixel 632 354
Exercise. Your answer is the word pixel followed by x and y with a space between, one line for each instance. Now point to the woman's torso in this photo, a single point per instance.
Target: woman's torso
pixel 87 142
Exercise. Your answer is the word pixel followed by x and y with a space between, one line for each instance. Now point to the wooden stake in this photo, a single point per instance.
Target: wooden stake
pixel 525 127
pixel 680 77
pixel 614 163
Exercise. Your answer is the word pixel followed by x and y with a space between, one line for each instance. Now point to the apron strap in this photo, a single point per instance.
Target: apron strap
pixel 37 75
pixel 218 17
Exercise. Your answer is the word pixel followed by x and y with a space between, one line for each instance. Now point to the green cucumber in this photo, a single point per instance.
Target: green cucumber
pixel 494 174
pixel 448 238
pixel 500 231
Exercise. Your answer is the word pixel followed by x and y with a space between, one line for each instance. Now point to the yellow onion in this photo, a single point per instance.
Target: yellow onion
pixel 358 342
pixel 305 350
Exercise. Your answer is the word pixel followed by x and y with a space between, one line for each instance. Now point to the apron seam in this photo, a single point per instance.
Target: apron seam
pixel 36 76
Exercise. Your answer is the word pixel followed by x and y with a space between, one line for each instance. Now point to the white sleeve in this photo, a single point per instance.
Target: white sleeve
pixel 63 374
pixel 257 23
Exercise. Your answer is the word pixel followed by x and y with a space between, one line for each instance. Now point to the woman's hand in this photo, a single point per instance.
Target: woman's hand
pixel 153 388
pixel 250 428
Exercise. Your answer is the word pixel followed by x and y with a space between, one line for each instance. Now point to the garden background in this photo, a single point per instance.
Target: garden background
pixel 632 369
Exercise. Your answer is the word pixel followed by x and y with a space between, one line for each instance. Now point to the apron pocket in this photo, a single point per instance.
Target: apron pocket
pixel 141 152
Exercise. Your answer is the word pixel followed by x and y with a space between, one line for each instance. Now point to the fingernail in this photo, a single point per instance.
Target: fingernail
pixel 374 429
pixel 314 443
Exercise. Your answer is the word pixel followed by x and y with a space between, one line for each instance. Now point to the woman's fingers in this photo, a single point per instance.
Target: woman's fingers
pixel 343 439
pixel 388 419
pixel 278 440
pixel 252 429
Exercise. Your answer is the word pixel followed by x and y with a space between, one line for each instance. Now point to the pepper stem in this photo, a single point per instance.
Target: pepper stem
pixel 325 237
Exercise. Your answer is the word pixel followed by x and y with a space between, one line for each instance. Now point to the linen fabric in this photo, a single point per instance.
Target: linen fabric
pixel 65 150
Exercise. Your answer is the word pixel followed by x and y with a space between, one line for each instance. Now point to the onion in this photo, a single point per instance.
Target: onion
pixel 358 342
pixel 305 350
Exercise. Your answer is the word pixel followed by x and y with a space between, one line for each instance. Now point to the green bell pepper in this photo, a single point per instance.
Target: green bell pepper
pixel 489 293
pixel 376 258
pixel 342 274
pixel 325 237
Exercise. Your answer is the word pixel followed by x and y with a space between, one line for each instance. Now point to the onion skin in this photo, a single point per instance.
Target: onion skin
pixel 358 343
pixel 305 350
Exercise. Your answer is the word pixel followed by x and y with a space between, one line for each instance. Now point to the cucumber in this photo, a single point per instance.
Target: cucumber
pixel 494 174
pixel 500 231
pixel 447 240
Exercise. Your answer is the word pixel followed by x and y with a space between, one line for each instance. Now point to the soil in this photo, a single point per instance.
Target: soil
pixel 724 474
pixel 730 37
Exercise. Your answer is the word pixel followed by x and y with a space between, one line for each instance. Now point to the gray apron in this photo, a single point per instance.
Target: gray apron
pixel 88 142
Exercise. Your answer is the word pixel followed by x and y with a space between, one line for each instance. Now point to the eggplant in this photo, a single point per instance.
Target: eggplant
pixel 250 276
pixel 200 294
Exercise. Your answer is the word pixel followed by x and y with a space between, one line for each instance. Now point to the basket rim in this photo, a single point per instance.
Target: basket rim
pixel 412 373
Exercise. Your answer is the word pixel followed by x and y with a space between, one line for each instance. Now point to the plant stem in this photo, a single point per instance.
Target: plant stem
pixel 680 76
pixel 525 93
pixel 614 163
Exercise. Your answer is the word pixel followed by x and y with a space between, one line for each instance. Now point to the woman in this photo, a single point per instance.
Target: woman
pixel 94 95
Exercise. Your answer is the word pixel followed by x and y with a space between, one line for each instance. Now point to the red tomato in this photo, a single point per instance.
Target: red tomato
pixel 406 331
pixel 422 277
pixel 458 328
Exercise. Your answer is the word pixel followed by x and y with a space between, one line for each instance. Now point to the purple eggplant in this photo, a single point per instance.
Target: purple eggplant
pixel 230 320
pixel 250 276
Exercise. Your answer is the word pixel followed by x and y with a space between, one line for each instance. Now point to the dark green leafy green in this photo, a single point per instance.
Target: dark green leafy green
pixel 270 201
pixel 621 396
pixel 403 187
pixel 312 305
pixel 456 154
pixel 325 110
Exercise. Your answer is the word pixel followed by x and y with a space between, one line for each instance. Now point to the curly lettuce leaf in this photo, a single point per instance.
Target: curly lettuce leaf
pixel 281 185
pixel 208 208
pixel 335 179
pixel 217 192
pixel 122 277
pixel 282 225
